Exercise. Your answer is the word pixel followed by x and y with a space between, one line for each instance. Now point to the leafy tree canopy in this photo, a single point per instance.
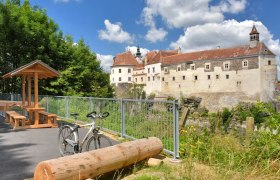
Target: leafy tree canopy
pixel 27 34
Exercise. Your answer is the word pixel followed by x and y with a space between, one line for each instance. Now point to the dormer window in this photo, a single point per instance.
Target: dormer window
pixel 192 66
pixel 165 69
pixel 207 66
pixel 226 65
pixel 245 64
pixel 179 68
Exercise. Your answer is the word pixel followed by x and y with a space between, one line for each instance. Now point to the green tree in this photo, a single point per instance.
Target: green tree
pixel 27 34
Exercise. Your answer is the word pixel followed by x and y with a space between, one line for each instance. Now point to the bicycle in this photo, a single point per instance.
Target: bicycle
pixel 68 137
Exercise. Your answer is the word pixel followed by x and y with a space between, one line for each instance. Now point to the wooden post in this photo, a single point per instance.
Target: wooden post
pixel 249 129
pixel 23 90
pixel 29 90
pixel 36 90
pixel 184 118
pixel 93 163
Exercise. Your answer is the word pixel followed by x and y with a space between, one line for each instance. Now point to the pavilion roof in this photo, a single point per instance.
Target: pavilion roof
pixel 44 71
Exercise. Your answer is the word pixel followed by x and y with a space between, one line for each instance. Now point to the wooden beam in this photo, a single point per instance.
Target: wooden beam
pixel 36 90
pixel 29 90
pixel 23 81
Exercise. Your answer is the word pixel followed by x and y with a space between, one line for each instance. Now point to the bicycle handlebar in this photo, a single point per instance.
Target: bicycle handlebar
pixel 93 114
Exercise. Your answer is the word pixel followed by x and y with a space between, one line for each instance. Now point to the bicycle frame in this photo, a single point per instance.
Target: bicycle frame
pixel 92 127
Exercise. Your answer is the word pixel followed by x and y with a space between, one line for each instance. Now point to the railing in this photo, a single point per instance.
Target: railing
pixel 128 118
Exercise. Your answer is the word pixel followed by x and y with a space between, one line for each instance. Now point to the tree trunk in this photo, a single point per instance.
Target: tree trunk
pixel 97 162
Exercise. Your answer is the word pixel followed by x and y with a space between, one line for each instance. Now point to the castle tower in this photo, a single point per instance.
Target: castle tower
pixel 254 37
pixel 138 53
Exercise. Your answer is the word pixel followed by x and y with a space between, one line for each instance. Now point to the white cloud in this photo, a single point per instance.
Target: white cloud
pixel 226 34
pixel 155 35
pixel 231 6
pixel 184 13
pixel 106 61
pixel 133 50
pixel 115 33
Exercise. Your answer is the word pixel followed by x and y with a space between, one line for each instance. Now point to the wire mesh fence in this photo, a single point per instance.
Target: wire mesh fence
pixel 128 118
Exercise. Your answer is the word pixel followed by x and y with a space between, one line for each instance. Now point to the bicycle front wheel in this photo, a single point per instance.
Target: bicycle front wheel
pixel 65 136
pixel 97 142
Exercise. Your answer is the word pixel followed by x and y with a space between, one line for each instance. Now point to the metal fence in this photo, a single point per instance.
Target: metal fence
pixel 129 118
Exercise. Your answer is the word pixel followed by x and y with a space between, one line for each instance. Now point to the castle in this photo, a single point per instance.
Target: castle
pixel 221 77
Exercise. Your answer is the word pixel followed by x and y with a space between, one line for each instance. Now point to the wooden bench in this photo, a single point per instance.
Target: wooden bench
pixel 8 116
pixel 15 118
pixel 49 117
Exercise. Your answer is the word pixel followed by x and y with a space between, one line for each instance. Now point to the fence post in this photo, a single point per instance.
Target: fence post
pixel 123 119
pixel 176 130
pixel 66 106
pixel 47 103
pixel 90 104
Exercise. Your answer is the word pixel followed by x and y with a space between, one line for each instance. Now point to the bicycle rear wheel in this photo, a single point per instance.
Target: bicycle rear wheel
pixel 97 142
pixel 65 135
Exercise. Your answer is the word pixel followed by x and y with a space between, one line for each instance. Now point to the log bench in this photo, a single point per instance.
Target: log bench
pixel 15 118
pixel 49 117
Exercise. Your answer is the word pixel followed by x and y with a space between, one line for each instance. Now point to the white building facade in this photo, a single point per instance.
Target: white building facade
pixel 221 77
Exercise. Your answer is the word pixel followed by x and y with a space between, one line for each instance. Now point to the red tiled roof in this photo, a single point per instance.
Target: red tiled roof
pixel 125 59
pixel 150 55
pixel 161 54
pixel 139 66
pixel 217 54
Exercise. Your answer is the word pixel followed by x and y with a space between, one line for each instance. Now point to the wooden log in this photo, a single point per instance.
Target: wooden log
pixel 154 162
pixel 93 163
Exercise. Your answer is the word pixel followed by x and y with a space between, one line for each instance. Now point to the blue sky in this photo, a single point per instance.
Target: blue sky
pixel 113 26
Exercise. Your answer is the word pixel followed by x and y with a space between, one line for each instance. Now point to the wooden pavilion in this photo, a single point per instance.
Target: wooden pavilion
pixel 34 70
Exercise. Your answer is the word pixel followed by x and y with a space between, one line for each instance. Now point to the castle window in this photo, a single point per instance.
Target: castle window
pixel 226 65
pixel 217 76
pixel 153 78
pixel 207 66
pixel 153 69
pixel 184 77
pixel 208 77
pixel 192 66
pixel 162 79
pixel 113 79
pixel 269 62
pixel 129 70
pixel 112 71
pixel 195 77
pixel 120 79
pixel 149 78
pixel 141 79
pixel 120 70
pixel 227 76
pixel 245 63
pixel 178 68
pixel 148 70
pixel 129 78
pixel 135 79
pixel 165 69
pixel 173 78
